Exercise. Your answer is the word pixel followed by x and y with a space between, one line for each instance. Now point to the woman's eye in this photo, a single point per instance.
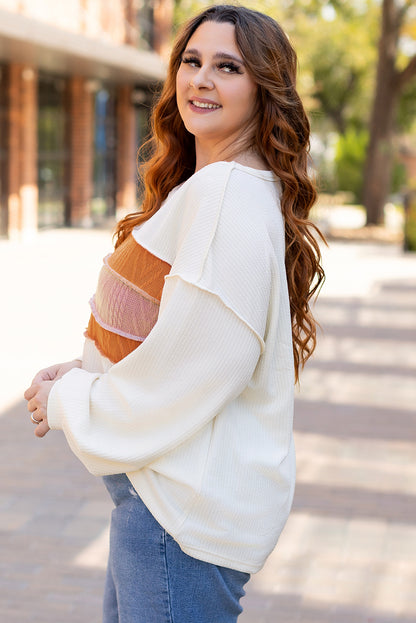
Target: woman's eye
pixel 193 62
pixel 229 68
pixel 225 67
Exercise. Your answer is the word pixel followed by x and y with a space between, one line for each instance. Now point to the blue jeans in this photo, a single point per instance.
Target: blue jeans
pixel 151 580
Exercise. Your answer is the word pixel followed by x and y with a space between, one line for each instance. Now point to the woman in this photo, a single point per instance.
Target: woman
pixel 199 327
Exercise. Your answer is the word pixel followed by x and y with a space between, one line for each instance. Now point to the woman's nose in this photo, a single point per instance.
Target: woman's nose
pixel 202 79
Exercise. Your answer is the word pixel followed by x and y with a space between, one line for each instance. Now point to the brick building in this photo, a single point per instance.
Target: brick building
pixel 76 81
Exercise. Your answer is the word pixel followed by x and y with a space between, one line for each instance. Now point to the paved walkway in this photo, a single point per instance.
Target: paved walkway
pixel 348 553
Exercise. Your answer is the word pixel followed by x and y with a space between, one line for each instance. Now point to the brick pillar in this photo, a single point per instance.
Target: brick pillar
pixel 29 151
pixel 131 32
pixel 4 146
pixel 81 152
pixel 126 153
pixel 13 181
pixel 162 26
pixel 22 151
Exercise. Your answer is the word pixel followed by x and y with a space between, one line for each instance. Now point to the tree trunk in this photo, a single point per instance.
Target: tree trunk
pixel 379 162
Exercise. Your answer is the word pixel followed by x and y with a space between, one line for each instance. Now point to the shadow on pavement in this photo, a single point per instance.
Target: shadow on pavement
pixel 52 509
pixel 286 609
pixel 355 420
pixel 348 552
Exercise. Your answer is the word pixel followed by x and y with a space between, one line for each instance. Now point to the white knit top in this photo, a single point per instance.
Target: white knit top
pixel 199 415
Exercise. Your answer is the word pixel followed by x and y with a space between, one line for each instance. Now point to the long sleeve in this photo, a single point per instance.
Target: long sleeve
pixel 198 357
pixel 199 415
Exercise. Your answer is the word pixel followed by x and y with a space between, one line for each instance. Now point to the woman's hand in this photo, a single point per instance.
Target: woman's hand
pixel 52 373
pixel 37 397
pixel 37 394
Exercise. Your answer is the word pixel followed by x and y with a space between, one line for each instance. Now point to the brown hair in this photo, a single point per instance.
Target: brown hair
pixel 280 135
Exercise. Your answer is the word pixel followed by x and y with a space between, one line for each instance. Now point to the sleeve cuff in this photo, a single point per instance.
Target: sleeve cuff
pixel 68 392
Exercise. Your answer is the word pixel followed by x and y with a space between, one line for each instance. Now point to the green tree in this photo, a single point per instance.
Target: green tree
pixel 394 74
pixel 336 41
pixel 338 57
pixel 336 49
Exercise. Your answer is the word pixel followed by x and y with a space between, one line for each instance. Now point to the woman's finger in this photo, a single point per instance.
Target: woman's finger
pixel 42 428
pixel 47 374
pixel 31 392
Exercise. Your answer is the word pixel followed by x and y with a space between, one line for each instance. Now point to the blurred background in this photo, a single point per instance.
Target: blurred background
pixel 77 80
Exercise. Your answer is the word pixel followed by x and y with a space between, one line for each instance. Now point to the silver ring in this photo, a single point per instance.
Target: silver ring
pixel 34 420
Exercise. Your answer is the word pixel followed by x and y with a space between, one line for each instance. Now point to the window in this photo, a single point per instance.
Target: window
pixel 103 203
pixel 144 20
pixel 52 152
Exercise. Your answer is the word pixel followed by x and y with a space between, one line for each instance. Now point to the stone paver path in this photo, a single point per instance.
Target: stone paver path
pixel 348 552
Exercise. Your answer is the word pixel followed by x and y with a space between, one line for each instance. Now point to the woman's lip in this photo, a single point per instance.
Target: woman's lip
pixel 210 106
pixel 202 100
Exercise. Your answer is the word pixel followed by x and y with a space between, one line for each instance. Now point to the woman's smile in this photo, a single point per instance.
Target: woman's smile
pixel 215 94
pixel 203 105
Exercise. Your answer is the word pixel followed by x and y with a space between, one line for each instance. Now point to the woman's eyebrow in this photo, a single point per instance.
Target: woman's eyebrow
pixel 229 57
pixel 217 55
pixel 193 51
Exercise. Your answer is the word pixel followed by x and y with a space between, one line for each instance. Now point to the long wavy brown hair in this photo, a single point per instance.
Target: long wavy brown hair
pixel 279 133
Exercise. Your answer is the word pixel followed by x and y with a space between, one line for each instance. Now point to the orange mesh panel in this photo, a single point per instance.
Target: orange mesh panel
pixel 142 268
pixel 126 303
pixel 114 347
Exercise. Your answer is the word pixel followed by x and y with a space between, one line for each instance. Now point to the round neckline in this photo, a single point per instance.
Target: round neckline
pixel 266 174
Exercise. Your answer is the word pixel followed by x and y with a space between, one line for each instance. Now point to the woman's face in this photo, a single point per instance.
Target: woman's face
pixel 216 96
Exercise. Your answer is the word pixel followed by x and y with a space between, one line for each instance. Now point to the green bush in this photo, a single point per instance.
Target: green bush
pixel 349 161
pixel 410 222
pixel 350 158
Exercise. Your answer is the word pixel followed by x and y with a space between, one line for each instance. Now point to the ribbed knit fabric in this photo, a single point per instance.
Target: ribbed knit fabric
pixel 200 415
